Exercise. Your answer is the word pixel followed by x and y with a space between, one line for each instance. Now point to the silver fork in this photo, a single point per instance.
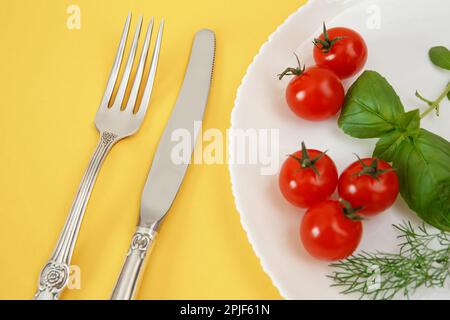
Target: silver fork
pixel 113 123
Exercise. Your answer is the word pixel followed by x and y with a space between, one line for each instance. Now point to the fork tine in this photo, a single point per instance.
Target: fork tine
pixel 140 69
pixel 151 75
pixel 126 74
pixel 116 65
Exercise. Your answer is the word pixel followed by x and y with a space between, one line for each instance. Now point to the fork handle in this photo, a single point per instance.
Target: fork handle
pixel 130 275
pixel 55 274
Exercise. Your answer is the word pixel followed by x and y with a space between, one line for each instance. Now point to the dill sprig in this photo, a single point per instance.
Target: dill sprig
pixel 422 261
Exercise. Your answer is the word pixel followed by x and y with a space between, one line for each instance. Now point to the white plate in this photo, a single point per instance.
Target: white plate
pixel 398 34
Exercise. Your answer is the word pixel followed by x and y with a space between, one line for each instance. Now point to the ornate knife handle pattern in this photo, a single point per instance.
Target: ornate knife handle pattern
pixel 55 275
pixel 129 277
pixel 140 243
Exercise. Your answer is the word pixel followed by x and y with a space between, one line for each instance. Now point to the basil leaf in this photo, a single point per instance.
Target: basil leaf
pixel 423 168
pixel 440 56
pixel 370 108
pixel 408 126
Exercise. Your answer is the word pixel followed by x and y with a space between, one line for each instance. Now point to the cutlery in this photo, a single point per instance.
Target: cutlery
pixel 165 176
pixel 113 123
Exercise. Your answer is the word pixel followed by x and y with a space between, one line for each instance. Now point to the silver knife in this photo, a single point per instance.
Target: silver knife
pixel 165 176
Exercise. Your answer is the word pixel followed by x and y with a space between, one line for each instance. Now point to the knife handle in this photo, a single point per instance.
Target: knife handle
pixel 129 278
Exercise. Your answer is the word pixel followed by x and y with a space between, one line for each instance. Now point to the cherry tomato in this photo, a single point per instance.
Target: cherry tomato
pixel 369 183
pixel 330 231
pixel 314 93
pixel 307 177
pixel 341 50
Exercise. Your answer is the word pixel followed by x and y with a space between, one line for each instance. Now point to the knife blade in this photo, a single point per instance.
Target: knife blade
pixel 166 175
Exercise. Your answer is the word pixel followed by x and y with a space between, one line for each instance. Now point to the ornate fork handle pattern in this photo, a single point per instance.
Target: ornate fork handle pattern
pixel 55 275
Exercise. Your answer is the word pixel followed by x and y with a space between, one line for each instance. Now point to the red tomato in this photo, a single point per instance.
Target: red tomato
pixel 341 50
pixel 314 93
pixel 307 177
pixel 369 183
pixel 327 233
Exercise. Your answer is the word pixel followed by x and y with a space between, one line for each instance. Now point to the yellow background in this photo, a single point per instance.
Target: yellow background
pixel 51 82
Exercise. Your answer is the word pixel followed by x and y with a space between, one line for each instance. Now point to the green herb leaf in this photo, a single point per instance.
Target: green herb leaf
pixel 440 56
pixel 423 168
pixel 422 261
pixel 408 125
pixel 409 121
pixel 371 107
pixel 421 159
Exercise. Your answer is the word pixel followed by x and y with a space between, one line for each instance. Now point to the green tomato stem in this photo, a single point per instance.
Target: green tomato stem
pixel 433 105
